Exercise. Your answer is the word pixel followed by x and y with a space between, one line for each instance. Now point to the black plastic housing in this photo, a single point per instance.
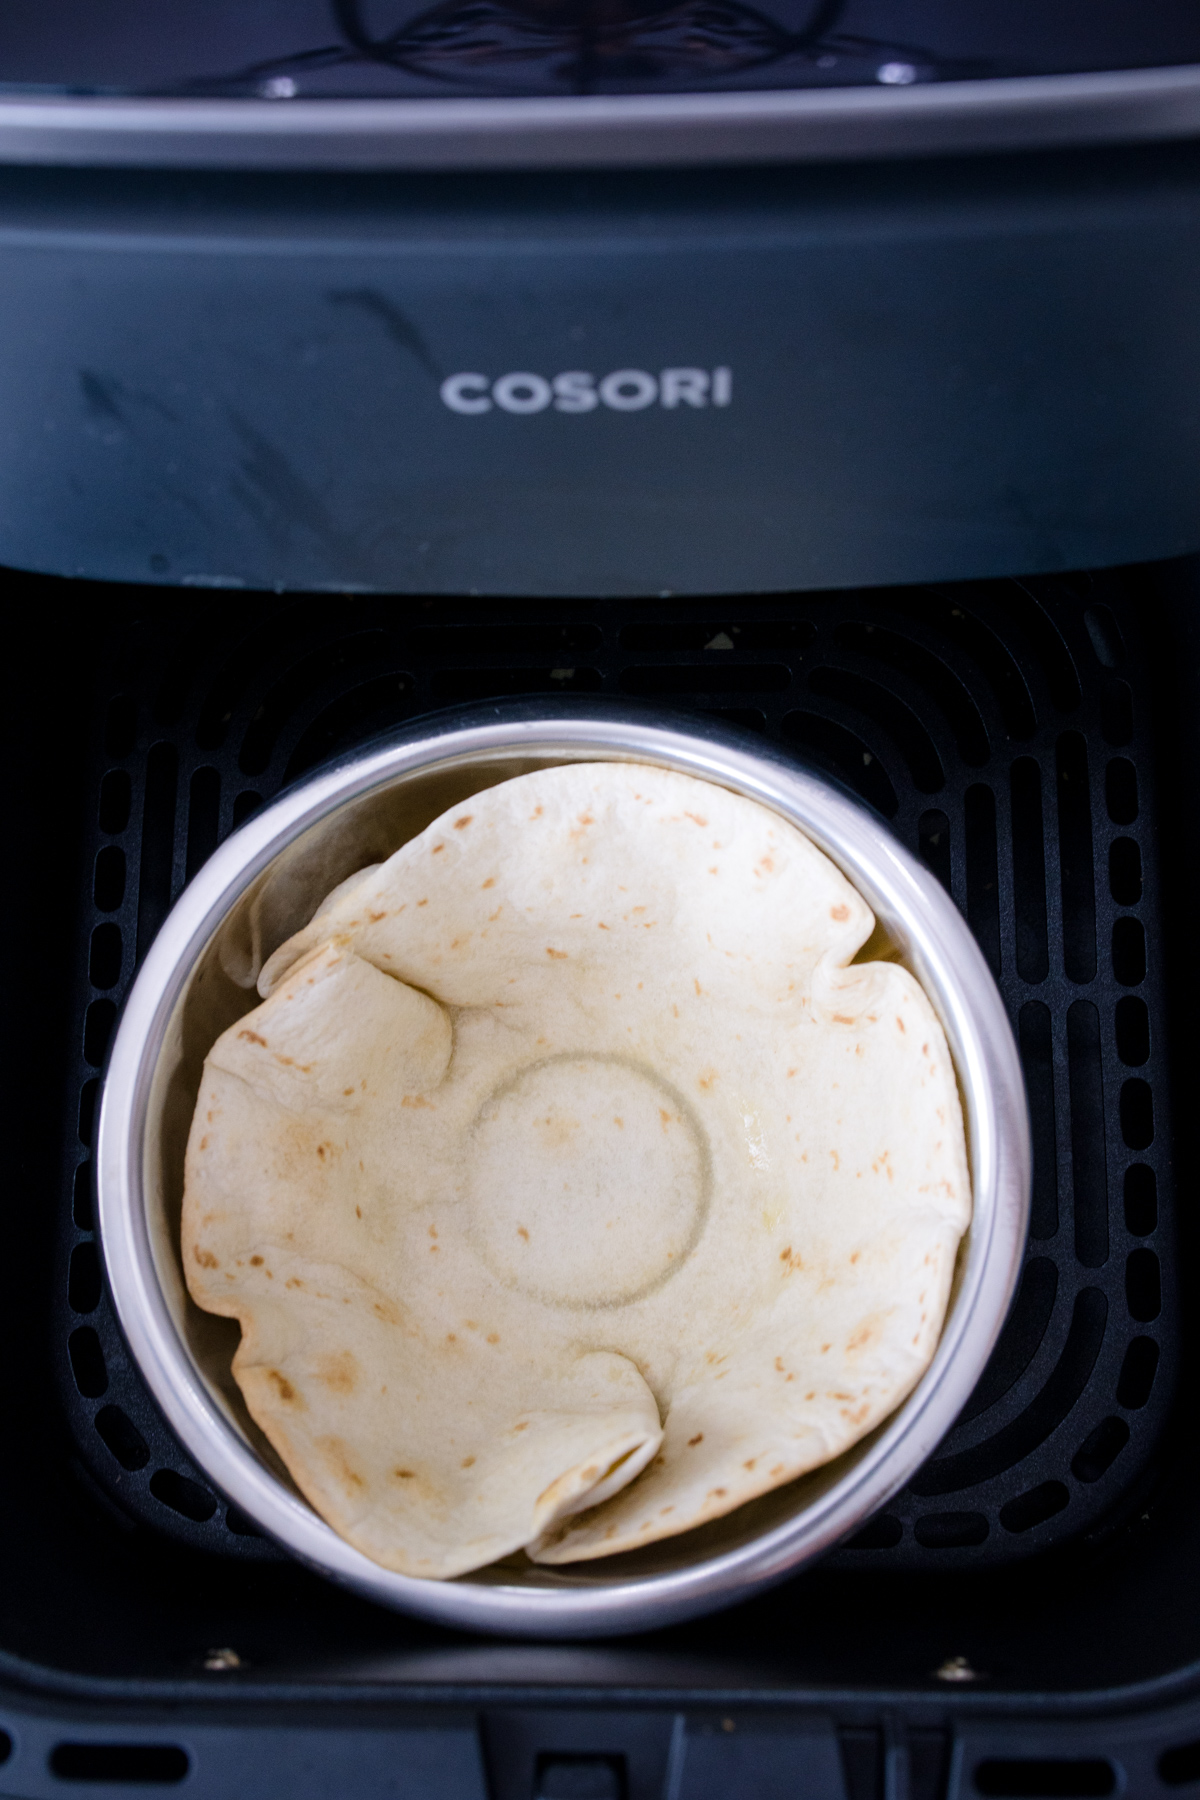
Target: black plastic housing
pixel 925 370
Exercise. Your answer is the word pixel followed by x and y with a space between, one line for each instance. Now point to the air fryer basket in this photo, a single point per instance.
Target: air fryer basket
pixel 1033 741
pixel 990 727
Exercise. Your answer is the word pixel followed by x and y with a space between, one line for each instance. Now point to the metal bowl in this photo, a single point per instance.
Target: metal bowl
pixel 263 883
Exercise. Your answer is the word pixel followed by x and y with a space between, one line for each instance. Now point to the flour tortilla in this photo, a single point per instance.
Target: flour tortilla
pixel 571 1186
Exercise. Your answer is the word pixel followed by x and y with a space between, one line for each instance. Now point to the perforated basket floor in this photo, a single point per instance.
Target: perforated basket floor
pixel 1000 728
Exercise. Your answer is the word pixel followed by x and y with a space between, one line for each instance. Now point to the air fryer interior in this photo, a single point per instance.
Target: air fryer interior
pixel 139 737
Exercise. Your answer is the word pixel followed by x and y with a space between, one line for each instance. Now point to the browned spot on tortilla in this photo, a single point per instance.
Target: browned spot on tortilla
pixel 698 1439
pixel 294 1282
pixel 461 824
pixel 321 1151
pixel 339 1373
pixel 434 1248
pixel 417 1102
pixel 256 1262
pixel 524 1424
pixel 334 1452
pixel 901 1024
pixel 423 902
pixel 601 926
pixel 490 882
pixel 696 983
pixel 358 1212
pixel 558 955
pixel 765 862
pixel 843 1019
pixel 437 849
pixel 252 1037
pixel 404 1474
pixel 696 819
pixel 862 1336
pixel 536 813
pixel 204 1142
pixel 751 1463
pixel 375 917
pixel 522 1233
pixel 286 1390
pixel 786 1255
pixel 468 1462
pixel 840 912
pixel 856 1256
pixel 205 1258
pixel 348 1090
pixel 707 1077
pixel 716 1493
pixel 493 1337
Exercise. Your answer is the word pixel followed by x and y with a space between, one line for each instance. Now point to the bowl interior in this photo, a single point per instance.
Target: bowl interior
pixel 220 989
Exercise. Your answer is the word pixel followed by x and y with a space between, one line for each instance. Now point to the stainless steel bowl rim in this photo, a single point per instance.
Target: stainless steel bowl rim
pixel 952 967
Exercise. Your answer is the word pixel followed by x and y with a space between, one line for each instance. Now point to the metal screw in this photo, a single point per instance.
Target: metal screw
pixel 220 1660
pixel 956 1668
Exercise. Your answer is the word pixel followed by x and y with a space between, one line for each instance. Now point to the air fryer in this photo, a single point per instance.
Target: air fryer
pixel 829 369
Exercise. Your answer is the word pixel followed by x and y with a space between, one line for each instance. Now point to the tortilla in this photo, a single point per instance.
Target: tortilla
pixel 571 1185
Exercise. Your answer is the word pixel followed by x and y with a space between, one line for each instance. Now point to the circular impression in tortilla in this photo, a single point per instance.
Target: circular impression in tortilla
pixel 573 1185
